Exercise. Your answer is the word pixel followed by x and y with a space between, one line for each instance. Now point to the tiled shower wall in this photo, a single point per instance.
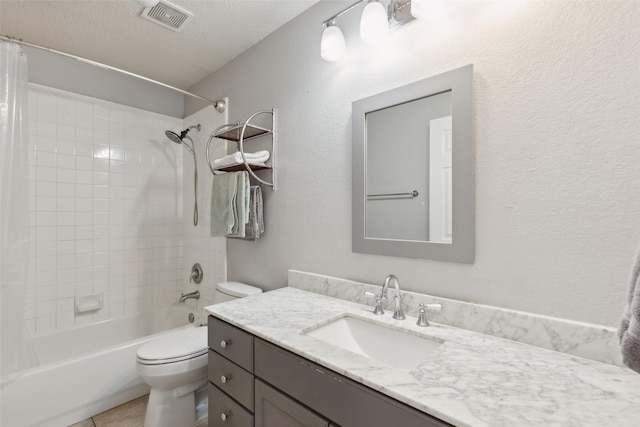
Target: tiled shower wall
pixel 106 209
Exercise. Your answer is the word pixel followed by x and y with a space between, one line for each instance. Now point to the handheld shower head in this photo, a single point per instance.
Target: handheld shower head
pixel 178 139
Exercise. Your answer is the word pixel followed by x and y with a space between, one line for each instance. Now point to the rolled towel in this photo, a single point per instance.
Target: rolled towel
pixel 629 331
pixel 258 157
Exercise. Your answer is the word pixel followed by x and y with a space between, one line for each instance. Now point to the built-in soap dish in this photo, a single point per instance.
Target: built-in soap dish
pixel 87 303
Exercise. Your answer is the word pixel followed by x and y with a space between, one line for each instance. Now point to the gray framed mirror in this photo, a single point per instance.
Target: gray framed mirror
pixel 413 170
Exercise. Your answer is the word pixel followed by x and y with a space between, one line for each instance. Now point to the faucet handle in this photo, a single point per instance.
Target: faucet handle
pixel 378 308
pixel 422 313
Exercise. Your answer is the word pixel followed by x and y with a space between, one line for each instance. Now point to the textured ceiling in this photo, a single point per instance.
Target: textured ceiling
pixel 112 32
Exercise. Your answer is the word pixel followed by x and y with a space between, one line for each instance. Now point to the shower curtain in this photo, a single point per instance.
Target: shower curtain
pixel 14 208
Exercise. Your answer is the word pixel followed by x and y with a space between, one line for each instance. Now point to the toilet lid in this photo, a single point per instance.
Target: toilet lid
pixel 237 289
pixel 175 346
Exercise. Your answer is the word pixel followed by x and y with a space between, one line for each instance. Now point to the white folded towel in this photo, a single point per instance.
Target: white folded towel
pixel 259 157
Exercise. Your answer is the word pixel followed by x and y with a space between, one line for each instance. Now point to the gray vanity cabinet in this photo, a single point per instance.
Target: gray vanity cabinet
pixel 253 383
pixel 274 409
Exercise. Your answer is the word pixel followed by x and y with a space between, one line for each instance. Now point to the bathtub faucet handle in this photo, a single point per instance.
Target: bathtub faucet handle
pixel 196 274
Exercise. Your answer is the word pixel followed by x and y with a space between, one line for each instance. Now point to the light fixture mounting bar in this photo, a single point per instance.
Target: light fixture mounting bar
pixel 398 11
pixel 342 12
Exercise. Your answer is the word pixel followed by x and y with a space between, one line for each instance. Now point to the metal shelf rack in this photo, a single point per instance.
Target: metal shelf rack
pixel 245 131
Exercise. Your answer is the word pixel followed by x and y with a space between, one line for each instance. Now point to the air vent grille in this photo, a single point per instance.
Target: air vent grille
pixel 168 15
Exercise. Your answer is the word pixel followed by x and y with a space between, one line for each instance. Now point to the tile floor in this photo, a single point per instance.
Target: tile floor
pixel 130 414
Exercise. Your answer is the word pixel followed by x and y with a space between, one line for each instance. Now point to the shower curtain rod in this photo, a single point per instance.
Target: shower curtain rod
pixel 218 105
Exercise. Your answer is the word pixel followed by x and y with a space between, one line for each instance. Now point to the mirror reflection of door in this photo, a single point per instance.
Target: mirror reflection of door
pixel 440 190
pixel 399 150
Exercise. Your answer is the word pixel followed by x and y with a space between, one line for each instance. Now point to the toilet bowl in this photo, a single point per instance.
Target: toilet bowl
pixel 175 367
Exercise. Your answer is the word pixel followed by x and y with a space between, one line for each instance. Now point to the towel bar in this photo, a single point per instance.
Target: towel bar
pixel 409 195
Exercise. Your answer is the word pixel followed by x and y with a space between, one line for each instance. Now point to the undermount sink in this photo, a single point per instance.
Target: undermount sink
pixel 376 341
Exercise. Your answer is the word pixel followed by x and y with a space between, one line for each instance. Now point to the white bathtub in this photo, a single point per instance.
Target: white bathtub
pixel 83 371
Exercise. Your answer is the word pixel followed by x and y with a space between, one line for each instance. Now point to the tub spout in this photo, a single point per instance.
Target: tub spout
pixel 191 295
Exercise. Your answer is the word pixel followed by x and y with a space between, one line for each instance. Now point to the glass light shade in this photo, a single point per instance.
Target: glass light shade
pixel 374 23
pixel 332 45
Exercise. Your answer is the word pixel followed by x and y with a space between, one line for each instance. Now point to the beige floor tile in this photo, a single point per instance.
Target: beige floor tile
pixel 131 414
pixel 85 423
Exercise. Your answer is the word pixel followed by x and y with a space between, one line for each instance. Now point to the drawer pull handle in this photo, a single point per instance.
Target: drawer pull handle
pixel 225 415
pixel 225 378
pixel 225 343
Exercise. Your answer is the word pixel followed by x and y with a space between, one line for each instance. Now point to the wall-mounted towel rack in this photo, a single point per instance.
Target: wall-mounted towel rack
pixel 245 131
pixel 409 195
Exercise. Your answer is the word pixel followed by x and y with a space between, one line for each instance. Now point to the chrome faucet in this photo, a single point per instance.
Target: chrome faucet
pixel 191 295
pixel 397 313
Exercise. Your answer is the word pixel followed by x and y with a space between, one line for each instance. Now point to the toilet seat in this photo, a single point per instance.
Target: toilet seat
pixel 177 346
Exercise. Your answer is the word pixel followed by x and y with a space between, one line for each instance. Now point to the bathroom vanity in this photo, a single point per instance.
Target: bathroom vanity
pixel 251 381
pixel 267 367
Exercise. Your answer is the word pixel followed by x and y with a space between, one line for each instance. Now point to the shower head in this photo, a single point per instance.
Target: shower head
pixel 174 136
pixel 178 138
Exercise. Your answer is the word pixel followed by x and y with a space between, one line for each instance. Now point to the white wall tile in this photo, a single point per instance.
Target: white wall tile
pixel 92 211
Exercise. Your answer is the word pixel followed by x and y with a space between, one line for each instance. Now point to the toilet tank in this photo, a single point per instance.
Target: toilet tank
pixel 227 291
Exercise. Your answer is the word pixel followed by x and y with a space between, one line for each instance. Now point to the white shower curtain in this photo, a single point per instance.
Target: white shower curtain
pixel 14 207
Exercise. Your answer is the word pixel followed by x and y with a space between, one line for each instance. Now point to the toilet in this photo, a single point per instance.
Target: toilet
pixel 175 367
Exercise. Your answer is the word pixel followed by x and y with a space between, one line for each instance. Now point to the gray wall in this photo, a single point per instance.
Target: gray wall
pixel 63 73
pixel 557 151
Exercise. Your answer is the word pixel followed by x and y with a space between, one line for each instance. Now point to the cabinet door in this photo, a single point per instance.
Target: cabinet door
pixel 274 409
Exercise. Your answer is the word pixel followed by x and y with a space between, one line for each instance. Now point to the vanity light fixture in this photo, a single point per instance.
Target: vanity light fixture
pixel 375 22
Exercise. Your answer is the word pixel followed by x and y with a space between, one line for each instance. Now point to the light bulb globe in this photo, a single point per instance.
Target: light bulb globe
pixel 374 23
pixel 332 45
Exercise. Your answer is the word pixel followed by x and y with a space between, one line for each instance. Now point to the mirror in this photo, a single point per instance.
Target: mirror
pixel 413 189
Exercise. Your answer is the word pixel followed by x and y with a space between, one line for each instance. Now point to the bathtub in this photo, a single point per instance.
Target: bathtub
pixel 83 371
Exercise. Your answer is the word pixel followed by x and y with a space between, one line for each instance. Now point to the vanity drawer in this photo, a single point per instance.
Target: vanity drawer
pixel 232 379
pixel 231 342
pixel 225 412
pixel 336 397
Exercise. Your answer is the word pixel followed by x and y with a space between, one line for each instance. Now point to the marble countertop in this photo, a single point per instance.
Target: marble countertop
pixel 472 379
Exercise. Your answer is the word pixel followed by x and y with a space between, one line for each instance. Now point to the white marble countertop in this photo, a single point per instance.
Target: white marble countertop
pixel 472 379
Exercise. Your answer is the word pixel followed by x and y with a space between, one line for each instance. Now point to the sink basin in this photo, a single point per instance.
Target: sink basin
pixel 376 341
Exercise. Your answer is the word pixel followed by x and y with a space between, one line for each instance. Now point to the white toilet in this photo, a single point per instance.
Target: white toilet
pixel 175 367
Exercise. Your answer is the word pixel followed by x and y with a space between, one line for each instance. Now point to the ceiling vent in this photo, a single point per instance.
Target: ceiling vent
pixel 168 15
